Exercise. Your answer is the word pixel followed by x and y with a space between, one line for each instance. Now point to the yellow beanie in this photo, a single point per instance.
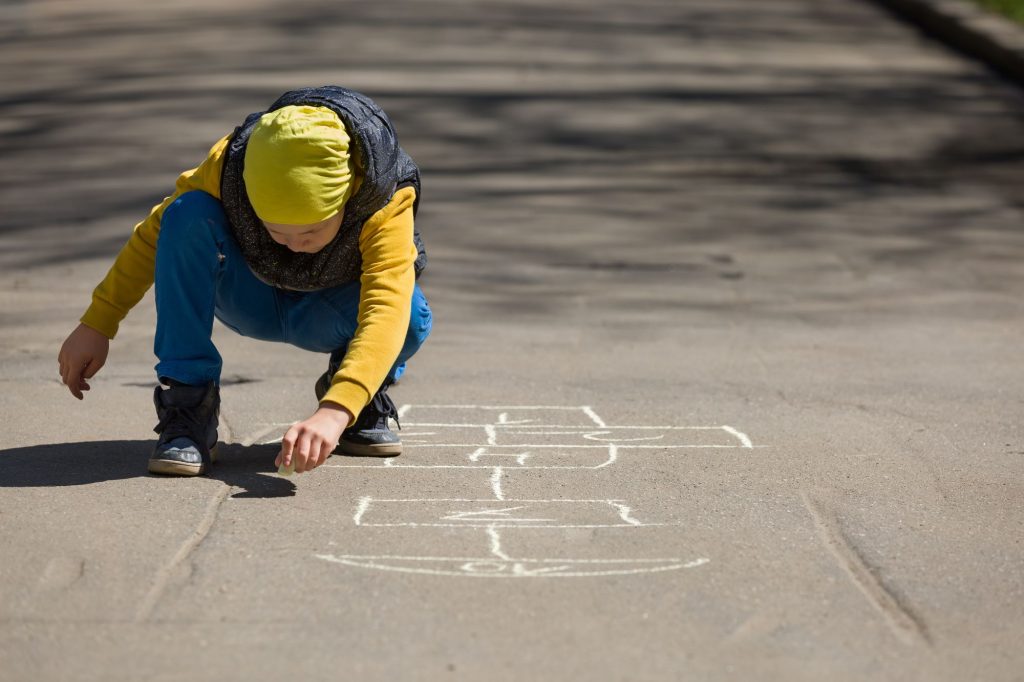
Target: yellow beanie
pixel 298 170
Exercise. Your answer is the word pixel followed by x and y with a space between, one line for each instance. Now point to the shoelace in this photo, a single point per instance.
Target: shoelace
pixel 180 421
pixel 379 409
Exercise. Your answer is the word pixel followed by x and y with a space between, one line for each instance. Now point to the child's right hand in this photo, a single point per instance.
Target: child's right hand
pixel 81 356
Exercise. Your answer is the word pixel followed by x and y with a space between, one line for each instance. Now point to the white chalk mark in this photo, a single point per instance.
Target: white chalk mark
pixel 492 435
pixel 521 571
pixel 594 436
pixel 474 499
pixel 364 503
pixel 613 454
pixel 403 410
pixel 489 568
pixel 593 415
pixel 494 514
pixel 482 452
pixel 496 483
pixel 576 446
pixel 492 533
pixel 550 433
pixel 742 437
pixel 400 557
pixel 387 464
pixel 624 512
pixel 504 421
pixel 499 407
pixel 539 523
pixel 528 424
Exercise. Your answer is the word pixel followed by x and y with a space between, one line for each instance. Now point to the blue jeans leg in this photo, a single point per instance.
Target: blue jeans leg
pixel 198 264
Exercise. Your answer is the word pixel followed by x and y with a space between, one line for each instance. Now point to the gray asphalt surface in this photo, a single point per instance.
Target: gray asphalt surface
pixel 794 223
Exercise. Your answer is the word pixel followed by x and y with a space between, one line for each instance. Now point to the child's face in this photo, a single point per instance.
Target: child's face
pixel 306 238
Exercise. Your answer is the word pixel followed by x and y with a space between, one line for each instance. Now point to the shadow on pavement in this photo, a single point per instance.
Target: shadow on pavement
pixel 64 464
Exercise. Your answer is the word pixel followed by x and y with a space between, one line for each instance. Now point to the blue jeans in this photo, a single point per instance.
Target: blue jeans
pixel 201 274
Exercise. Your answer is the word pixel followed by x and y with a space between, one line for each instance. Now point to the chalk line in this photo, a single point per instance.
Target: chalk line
pixel 496 483
pixel 593 415
pixel 364 503
pixel 624 512
pixel 468 499
pixel 578 427
pixel 400 557
pixel 516 569
pixel 492 533
pixel 577 446
pixel 613 454
pixel 526 523
pixel 742 437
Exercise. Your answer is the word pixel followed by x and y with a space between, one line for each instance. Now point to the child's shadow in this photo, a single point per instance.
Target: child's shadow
pixel 43 466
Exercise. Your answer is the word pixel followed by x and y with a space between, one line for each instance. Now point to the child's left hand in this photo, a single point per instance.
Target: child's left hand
pixel 309 443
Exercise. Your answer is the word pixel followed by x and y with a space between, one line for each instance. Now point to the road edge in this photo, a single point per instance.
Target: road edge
pixel 969 29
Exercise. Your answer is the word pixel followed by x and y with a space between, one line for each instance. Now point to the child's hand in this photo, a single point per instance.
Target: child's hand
pixel 309 443
pixel 81 356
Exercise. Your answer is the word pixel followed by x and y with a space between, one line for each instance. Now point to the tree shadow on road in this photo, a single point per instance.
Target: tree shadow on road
pixel 249 468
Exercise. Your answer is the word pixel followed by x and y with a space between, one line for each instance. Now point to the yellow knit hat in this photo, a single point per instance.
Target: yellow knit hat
pixel 298 170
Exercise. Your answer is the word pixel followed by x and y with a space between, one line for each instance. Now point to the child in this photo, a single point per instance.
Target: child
pixel 298 227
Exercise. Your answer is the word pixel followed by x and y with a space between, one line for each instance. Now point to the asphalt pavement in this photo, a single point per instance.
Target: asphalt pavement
pixel 724 381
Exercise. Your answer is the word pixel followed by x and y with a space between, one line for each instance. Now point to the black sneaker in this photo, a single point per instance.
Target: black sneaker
pixel 187 428
pixel 370 434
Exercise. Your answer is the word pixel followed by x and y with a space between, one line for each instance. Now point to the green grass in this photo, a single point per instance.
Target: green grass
pixel 1011 8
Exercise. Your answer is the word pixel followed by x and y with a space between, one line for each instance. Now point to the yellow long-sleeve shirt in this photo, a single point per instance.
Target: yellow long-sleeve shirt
pixel 387 282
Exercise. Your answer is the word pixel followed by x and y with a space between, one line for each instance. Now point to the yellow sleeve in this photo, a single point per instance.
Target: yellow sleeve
pixel 385 302
pixel 132 273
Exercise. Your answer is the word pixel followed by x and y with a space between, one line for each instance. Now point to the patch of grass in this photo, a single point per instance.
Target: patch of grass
pixel 1011 8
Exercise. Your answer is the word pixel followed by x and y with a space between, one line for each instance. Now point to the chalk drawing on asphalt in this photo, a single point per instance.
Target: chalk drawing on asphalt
pixel 502 440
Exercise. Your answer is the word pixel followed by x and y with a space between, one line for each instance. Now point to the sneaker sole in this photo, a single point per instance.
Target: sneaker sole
pixel 169 467
pixel 361 450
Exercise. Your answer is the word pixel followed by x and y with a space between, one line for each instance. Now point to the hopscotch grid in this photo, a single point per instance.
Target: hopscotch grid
pixel 500 564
